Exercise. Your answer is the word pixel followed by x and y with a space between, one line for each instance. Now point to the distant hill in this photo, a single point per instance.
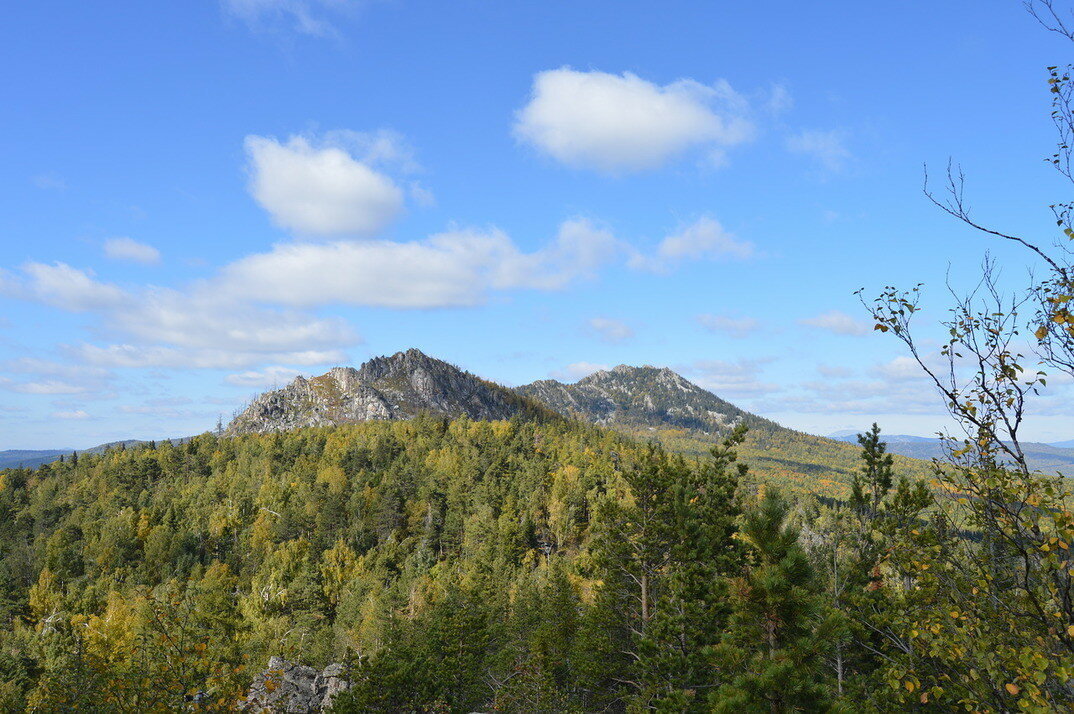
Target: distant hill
pixel 384 388
pixel 25 458
pixel 657 403
pixel 1047 458
pixel 22 458
pixel 642 402
pixel 642 397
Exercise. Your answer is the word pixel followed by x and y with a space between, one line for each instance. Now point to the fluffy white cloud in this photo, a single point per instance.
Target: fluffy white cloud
pixel 836 322
pixel 198 327
pixel 622 123
pixel 577 370
pixel 705 238
pixel 737 327
pixel 202 318
pixel 131 250
pixel 448 269
pixel 62 286
pixel 610 330
pixel 320 190
pixel 826 147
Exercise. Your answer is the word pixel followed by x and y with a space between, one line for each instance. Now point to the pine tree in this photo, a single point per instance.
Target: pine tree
pixel 779 627
pixel 665 555
pixel 869 490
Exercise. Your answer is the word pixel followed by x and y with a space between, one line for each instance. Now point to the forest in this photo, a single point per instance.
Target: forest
pixel 544 565
pixel 512 566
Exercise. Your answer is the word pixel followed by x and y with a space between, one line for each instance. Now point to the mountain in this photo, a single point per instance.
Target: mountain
pixel 28 458
pixel 641 402
pixel 384 388
pixel 641 397
pixel 657 403
pixel 1068 444
pixel 1047 458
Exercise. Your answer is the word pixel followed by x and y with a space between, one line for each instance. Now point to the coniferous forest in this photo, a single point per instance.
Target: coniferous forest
pixel 544 564
pixel 514 566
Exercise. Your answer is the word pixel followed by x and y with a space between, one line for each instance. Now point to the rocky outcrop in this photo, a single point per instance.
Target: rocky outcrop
pixel 397 387
pixel 640 397
pixel 289 688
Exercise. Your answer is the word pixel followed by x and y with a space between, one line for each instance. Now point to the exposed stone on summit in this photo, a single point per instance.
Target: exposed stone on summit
pixel 397 387
pixel 640 397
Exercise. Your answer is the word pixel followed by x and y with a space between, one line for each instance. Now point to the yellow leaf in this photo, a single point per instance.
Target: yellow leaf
pixel 1041 332
pixel 909 686
pixel 1013 688
pixel 1070 630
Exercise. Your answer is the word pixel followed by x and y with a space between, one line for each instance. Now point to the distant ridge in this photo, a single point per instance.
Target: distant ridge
pixel 397 387
pixel 1047 458
pixel 642 397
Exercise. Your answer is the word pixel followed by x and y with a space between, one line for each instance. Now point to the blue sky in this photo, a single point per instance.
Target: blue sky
pixel 201 200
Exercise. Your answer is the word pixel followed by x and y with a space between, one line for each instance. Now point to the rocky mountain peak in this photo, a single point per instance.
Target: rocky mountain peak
pixel 400 386
pixel 640 398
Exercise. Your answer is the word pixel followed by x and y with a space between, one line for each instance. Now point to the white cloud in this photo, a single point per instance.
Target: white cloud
pixel 62 286
pixel 199 326
pixel 309 17
pixel 779 99
pixel 730 379
pixel 577 370
pixel 50 182
pixel 48 386
pixel 129 249
pixel 622 123
pixel 202 318
pixel 321 190
pixel 267 377
pixel 902 369
pixel 826 147
pixel 456 268
pixel 834 372
pixel 610 330
pixel 30 365
pixel 837 322
pixel 75 414
pixel 737 327
pixel 704 238
pixel 135 356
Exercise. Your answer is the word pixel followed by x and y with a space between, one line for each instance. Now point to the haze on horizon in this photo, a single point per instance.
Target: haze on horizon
pixel 204 200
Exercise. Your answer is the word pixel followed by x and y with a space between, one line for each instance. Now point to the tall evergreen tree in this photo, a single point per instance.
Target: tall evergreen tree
pixel 772 652
pixel 665 554
pixel 877 472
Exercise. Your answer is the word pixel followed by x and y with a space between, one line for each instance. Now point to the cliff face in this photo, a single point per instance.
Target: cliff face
pixel 397 387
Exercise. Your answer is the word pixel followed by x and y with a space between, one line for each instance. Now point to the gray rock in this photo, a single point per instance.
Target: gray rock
pixel 397 387
pixel 639 398
pixel 289 688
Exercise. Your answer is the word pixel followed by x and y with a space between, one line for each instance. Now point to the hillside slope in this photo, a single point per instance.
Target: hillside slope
pixel 657 403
